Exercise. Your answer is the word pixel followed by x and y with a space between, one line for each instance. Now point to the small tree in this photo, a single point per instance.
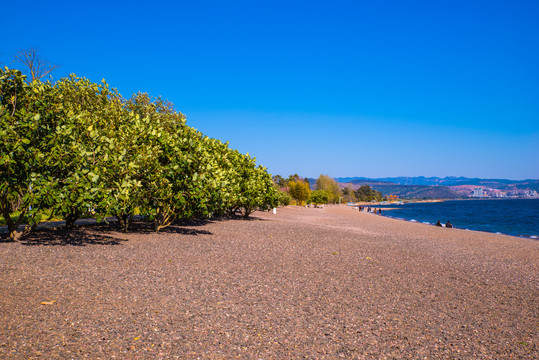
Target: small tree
pixel 349 193
pixel 159 161
pixel 25 178
pixel 299 190
pixel 284 197
pixel 324 182
pixel 279 181
pixel 319 197
pixel 366 193
pixel 83 145
pixel 256 189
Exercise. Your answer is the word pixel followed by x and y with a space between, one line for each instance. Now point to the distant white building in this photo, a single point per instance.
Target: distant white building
pixel 478 192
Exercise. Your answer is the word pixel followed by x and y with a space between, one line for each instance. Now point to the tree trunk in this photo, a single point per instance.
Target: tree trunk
pixel 124 221
pixel 232 211
pixel 247 212
pixel 162 220
pixel 16 235
pixel 71 218
pixel 12 226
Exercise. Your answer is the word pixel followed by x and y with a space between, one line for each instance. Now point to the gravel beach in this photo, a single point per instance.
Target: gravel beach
pixel 302 284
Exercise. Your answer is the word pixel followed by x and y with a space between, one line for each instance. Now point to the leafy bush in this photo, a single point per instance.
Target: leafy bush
pixel 319 197
pixel 299 190
pixel 284 198
pixel 76 148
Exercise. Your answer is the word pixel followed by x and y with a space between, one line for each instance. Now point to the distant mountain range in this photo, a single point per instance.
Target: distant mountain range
pixel 446 181
pixel 447 187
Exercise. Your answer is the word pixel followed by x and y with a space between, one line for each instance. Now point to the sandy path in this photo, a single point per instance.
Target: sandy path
pixel 305 283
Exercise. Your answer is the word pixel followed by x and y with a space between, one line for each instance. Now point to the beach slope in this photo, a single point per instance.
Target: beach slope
pixel 304 283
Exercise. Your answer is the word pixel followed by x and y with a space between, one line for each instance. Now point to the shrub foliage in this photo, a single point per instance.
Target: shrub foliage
pixel 76 148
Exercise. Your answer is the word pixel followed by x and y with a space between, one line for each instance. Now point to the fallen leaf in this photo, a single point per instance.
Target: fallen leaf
pixel 48 302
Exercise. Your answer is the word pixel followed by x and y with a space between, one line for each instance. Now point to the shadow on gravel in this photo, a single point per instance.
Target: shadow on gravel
pixel 77 237
pixel 241 218
pixel 182 228
pixel 146 227
pixel 175 229
pixel 54 234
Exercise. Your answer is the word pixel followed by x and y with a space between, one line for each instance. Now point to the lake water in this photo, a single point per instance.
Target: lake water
pixel 519 217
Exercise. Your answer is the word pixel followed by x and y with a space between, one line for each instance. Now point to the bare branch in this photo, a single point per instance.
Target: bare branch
pixel 36 66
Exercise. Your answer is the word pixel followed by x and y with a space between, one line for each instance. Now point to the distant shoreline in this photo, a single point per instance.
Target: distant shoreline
pixel 408 201
pixel 512 217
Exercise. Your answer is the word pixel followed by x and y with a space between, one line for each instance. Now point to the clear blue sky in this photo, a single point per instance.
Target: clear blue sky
pixel 345 88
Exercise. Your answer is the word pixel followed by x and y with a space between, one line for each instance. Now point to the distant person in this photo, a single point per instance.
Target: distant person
pixel 379 211
pixel 448 224
pixel 439 223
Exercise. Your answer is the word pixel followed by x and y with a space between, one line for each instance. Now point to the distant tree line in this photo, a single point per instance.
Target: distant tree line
pixel 74 149
pixel 366 193
pixel 328 191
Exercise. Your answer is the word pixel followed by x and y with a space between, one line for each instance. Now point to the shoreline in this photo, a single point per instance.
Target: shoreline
pixel 345 210
pixel 408 216
pixel 532 237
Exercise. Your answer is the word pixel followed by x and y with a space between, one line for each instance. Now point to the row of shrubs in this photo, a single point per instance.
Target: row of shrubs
pixel 74 148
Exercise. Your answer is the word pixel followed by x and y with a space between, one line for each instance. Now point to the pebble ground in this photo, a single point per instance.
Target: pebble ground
pixel 302 284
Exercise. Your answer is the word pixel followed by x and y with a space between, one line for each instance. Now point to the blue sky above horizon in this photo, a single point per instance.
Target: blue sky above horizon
pixel 351 88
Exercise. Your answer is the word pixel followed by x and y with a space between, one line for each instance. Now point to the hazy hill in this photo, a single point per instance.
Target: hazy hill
pixel 407 191
pixel 450 181
pixel 418 191
pixel 435 187
pixel 421 187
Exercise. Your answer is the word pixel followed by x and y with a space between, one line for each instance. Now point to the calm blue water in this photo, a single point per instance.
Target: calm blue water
pixel 519 217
